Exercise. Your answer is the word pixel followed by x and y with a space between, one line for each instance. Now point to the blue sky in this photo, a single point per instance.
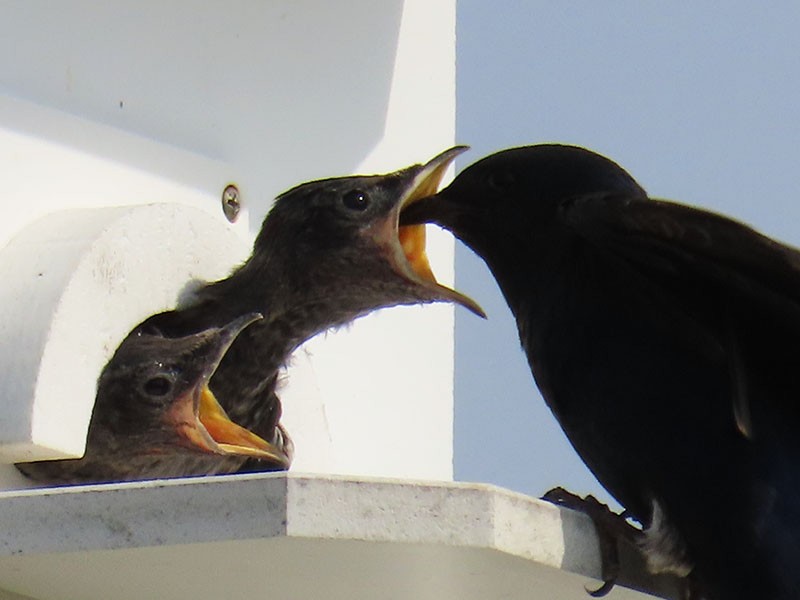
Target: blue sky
pixel 700 102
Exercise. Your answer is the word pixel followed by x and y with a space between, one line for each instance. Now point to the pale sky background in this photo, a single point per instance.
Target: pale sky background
pixel 699 101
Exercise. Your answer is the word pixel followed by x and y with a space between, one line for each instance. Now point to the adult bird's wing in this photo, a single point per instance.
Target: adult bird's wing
pixel 719 278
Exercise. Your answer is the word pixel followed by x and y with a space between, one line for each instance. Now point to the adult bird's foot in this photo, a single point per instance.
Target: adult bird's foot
pixel 610 527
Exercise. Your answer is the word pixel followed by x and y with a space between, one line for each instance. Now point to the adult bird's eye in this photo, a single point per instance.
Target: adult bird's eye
pixel 356 200
pixel 501 180
pixel 158 386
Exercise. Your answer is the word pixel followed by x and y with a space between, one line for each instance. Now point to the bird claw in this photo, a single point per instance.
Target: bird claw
pixel 604 589
pixel 610 527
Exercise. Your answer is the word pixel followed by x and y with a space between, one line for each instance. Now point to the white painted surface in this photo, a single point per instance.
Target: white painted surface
pixel 147 102
pixel 51 159
pixel 296 536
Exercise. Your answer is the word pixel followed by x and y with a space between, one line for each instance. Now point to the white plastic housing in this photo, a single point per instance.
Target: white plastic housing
pixel 265 96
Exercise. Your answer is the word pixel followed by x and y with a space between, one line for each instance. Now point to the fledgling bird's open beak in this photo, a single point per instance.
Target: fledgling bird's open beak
pixel 411 238
pixel 204 424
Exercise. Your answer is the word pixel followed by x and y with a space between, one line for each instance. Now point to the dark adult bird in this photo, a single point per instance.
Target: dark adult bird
pixel 155 417
pixel 328 252
pixel 664 339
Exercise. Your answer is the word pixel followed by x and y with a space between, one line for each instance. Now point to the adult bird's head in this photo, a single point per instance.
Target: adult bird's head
pixel 336 243
pixel 519 192
pixel 154 394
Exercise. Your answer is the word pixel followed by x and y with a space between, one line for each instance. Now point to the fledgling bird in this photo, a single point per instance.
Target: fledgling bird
pixel 154 416
pixel 664 339
pixel 328 252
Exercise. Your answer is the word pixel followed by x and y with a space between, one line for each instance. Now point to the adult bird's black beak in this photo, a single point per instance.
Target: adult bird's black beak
pixel 202 422
pixel 408 255
pixel 434 208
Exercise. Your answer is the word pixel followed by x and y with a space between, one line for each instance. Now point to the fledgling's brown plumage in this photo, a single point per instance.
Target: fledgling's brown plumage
pixel 328 252
pixel 145 422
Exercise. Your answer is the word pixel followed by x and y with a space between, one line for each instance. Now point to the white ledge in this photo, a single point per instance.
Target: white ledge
pixel 298 536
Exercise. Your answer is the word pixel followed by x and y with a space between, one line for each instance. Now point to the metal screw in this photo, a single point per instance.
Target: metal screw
pixel 230 202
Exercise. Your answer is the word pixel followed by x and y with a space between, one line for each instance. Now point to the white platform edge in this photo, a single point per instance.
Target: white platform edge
pixel 291 505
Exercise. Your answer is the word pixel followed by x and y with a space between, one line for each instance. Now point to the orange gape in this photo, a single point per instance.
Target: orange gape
pixel 412 240
pixel 230 437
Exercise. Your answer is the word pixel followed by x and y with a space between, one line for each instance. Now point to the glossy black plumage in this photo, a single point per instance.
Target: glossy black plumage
pixel 328 252
pixel 148 419
pixel 665 340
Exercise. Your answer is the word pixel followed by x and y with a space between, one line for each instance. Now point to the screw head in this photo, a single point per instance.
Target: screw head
pixel 230 202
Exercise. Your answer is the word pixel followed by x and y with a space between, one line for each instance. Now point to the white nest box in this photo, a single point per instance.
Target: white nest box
pixel 114 155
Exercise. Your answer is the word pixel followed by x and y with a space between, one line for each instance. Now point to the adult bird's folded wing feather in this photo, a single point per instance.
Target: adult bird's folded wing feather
pixel 746 287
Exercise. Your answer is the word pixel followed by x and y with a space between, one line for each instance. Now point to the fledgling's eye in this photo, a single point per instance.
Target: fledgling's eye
pixel 501 180
pixel 356 200
pixel 158 386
